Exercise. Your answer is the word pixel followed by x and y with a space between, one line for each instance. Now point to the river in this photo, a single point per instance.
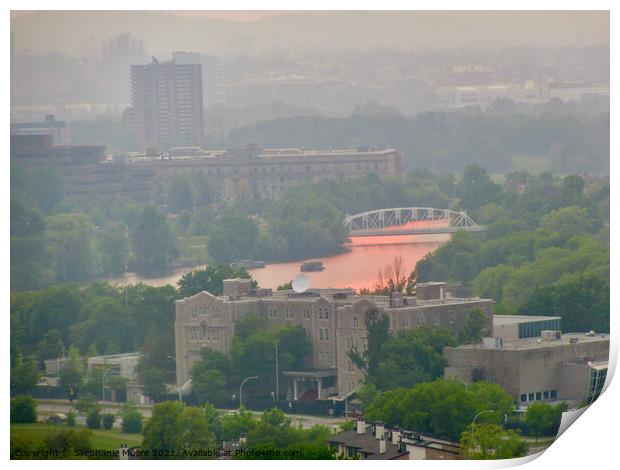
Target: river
pixel 357 267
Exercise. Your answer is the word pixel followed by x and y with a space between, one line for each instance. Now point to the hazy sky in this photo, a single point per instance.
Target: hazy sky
pixel 222 32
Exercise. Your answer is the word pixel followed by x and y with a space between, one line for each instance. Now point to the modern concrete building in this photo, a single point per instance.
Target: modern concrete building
pixel 333 320
pixel 166 104
pixel 514 327
pixel 552 367
pixel 83 170
pixel 59 131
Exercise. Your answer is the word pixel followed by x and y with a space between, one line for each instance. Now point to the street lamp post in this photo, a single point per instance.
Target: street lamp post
pixel 241 388
pixel 473 422
pixel 178 385
pixel 277 376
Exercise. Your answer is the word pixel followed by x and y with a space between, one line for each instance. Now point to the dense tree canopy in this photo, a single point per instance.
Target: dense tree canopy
pixel 444 407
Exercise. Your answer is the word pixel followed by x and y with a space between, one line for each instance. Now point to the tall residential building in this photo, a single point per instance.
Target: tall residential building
pixel 119 53
pixel 213 83
pixel 166 104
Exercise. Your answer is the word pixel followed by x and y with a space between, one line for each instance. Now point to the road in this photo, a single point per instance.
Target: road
pixel 48 407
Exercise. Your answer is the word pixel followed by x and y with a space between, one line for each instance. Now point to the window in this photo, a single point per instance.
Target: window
pixel 524 397
pixel 553 394
pixel 436 319
pixel 289 313
pixel 420 320
pixel 320 313
pixel 272 313
pixel 320 335
pixel 326 314
pixel 530 397
pixel 306 313
pixel 546 394
pixel 354 322
pixel 326 334
pixel 538 396
pixel 452 317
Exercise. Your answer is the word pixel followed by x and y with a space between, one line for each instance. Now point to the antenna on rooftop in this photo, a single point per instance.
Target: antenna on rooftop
pixel 301 283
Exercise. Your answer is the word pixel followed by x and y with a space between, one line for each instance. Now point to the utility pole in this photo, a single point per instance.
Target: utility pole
pixel 277 376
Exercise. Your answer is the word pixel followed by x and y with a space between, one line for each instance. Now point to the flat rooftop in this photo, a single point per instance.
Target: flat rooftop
pixel 503 320
pixel 538 342
pixel 349 297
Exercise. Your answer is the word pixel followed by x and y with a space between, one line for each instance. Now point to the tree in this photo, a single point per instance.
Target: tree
pixel 209 384
pixel 196 436
pixel 180 194
pixel 163 429
pixel 51 346
pixel 181 431
pixel 237 423
pixel 70 236
pixel 582 299
pixel 476 188
pixel 114 251
pixel 153 242
pixel 256 355
pixel 72 374
pixel 444 407
pixel 233 238
pixel 368 360
pixel 24 376
pixel 543 419
pixel 131 418
pixel 153 379
pixel 108 420
pixel 491 441
pixel 412 356
pixel 476 327
pixel 567 222
pixel 93 418
pixel 23 409
pixel 210 279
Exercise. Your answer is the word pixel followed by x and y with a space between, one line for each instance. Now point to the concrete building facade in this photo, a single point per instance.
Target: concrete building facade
pixel 552 367
pixel 166 104
pixel 334 321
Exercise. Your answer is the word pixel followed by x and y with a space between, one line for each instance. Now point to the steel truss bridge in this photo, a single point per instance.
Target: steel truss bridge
pixel 409 221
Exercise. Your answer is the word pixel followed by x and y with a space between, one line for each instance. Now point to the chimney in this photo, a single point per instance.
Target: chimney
pixel 395 436
pixel 382 444
pixel 361 426
pixel 379 430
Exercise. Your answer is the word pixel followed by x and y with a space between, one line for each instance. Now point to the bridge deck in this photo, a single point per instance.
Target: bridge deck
pixel 419 231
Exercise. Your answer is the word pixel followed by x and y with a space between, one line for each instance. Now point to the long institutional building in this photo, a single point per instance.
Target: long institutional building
pixel 333 320
pixel 527 355
pixel 85 169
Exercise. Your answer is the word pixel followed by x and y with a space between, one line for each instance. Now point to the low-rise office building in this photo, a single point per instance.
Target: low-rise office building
pixel 334 321
pixel 552 367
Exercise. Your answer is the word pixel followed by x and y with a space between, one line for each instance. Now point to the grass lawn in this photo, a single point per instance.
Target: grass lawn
pixel 101 439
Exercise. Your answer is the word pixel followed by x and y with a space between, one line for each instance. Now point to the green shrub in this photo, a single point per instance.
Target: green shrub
pixel 93 418
pixel 23 409
pixel 108 420
pixel 132 422
pixel 70 418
